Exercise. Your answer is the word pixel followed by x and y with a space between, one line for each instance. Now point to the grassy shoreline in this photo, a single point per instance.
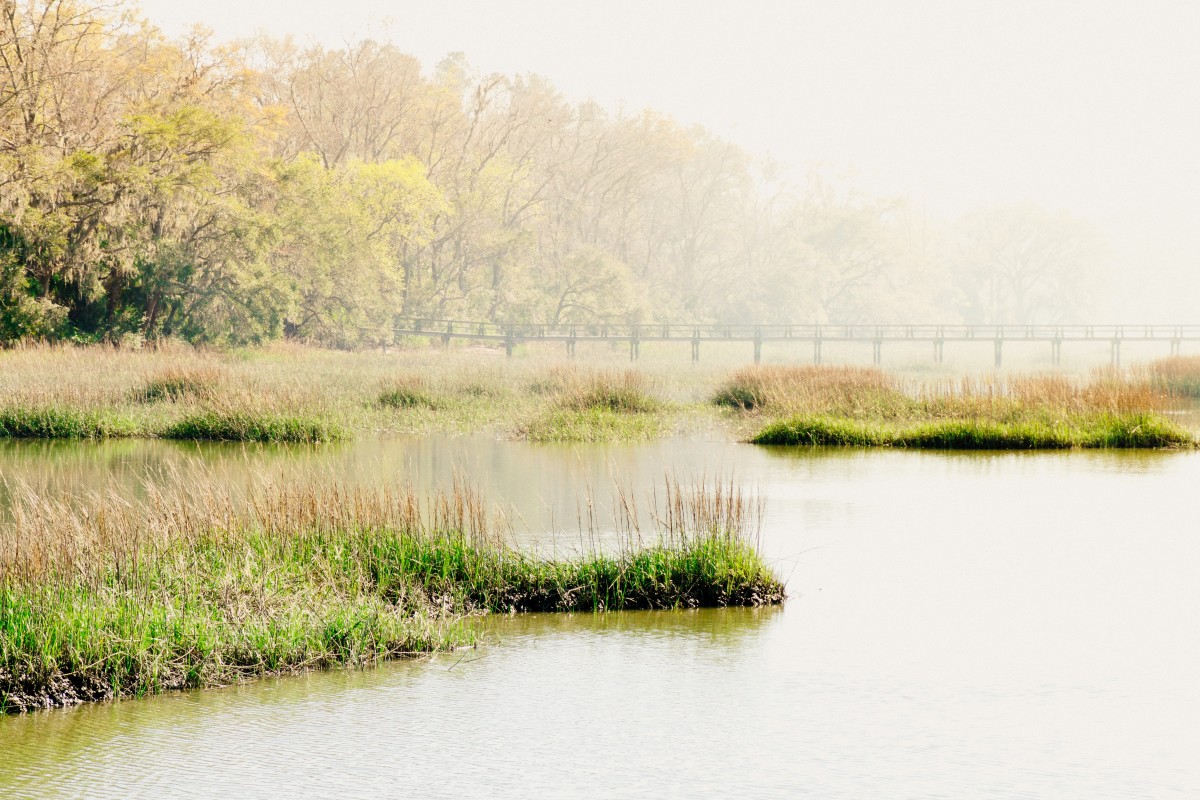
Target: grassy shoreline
pixel 1100 431
pixel 199 588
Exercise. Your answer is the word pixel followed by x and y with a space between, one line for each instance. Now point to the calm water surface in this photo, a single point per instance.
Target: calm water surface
pixel 988 625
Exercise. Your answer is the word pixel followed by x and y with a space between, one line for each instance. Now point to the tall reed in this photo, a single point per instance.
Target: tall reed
pixel 1179 375
pixel 849 391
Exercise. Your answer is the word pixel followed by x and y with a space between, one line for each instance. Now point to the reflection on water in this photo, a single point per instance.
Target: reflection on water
pixel 982 625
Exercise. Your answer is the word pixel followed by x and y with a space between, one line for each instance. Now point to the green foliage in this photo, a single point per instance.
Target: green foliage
pixel 22 315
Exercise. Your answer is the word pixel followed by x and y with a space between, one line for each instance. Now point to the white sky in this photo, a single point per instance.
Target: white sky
pixel 1089 106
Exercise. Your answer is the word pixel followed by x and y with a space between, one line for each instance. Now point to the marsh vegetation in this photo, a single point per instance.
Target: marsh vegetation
pixel 200 585
pixel 305 395
pixel 866 407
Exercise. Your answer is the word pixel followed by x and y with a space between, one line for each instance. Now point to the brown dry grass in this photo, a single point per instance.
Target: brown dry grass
pixel 1179 375
pixel 861 393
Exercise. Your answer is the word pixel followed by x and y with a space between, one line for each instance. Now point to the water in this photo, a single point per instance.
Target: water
pixel 983 625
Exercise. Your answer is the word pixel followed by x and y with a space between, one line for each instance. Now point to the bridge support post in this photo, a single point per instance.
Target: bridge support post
pixel 446 336
pixel 696 346
pixel 1175 347
pixel 999 344
pixel 757 344
pixel 509 341
pixel 1056 351
pixel 1116 352
pixel 939 351
pixel 571 342
pixel 877 348
pixel 817 351
pixel 634 344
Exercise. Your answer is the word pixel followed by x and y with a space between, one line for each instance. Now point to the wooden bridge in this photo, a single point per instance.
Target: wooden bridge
pixel 816 335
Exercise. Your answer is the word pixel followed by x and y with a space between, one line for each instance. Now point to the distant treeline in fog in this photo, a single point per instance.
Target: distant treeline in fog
pixel 235 193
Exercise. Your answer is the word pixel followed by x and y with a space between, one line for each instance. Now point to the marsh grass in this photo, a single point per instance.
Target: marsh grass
pixel 865 407
pixel 1179 375
pixel 617 391
pixel 847 391
pixel 64 422
pixel 197 586
pixel 408 391
pixel 255 426
pixel 595 405
pixel 1136 430
pixel 590 425
pixel 177 384
pixel 287 392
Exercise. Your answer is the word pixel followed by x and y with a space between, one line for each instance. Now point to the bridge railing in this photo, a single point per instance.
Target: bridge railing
pixel 807 332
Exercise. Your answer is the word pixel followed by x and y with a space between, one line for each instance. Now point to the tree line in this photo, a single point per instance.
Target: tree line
pixel 239 192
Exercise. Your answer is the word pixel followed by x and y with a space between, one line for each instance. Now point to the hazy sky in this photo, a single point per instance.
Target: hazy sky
pixel 1089 106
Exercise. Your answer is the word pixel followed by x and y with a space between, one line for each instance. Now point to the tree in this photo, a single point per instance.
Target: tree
pixel 1025 264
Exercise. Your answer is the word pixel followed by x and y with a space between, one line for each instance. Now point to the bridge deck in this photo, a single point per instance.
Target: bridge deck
pixel 877 335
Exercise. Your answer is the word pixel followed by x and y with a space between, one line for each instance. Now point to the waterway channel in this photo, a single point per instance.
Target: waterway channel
pixel 959 625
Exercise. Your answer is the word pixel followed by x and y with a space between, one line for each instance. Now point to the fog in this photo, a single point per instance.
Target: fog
pixel 1088 108
pixel 236 172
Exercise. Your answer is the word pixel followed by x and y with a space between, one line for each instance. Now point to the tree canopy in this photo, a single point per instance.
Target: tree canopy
pixel 233 193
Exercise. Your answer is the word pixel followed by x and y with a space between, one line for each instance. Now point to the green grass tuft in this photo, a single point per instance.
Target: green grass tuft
pixel 591 425
pixel 409 391
pixel 1139 430
pixel 63 423
pixel 244 426
pixel 175 385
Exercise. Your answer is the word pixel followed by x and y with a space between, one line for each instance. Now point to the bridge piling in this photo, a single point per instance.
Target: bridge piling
pixel 1115 353
pixel 817 352
pixel 758 345
pixel 877 351
pixel 999 345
